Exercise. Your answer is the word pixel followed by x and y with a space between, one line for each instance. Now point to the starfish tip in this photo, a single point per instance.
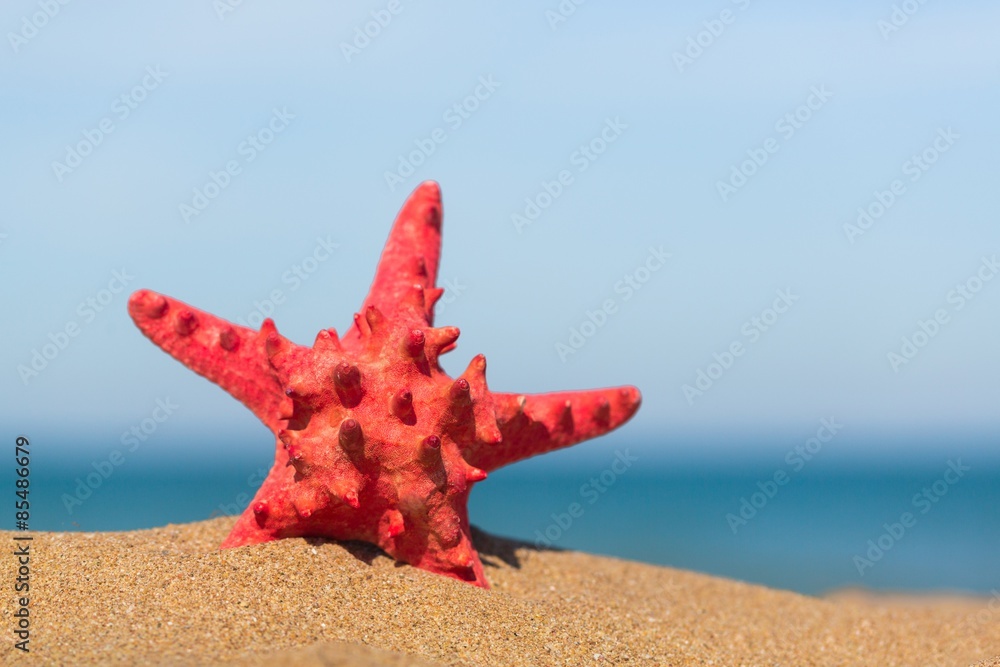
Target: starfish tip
pixel 430 189
pixel 146 303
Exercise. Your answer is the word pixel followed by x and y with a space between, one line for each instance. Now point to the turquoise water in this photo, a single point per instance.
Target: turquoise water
pixel 805 534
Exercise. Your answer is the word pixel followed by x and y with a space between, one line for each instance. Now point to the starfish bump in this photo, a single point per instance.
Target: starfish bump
pixel 373 441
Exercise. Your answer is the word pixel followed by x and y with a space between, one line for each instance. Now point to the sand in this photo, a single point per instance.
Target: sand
pixel 168 597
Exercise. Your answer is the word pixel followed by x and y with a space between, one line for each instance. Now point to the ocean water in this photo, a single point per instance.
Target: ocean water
pixel 726 518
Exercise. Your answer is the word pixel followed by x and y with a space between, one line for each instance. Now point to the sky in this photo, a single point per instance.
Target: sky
pixel 761 214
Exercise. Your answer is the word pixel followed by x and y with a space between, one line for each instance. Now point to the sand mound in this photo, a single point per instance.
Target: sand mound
pixel 168 596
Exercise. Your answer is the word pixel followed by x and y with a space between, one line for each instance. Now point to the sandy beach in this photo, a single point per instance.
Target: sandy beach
pixel 167 596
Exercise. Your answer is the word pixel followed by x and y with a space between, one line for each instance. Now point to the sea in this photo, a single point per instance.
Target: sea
pixel 899 523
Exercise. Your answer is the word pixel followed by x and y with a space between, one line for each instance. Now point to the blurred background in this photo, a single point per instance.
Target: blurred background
pixel 788 208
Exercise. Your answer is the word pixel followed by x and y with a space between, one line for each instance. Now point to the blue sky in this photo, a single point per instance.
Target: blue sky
pixel 878 99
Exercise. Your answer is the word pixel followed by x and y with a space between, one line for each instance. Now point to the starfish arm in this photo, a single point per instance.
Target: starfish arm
pixel 438 539
pixel 539 423
pixel 404 285
pixel 231 356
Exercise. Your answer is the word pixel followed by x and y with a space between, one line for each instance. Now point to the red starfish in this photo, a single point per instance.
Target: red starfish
pixel 374 441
